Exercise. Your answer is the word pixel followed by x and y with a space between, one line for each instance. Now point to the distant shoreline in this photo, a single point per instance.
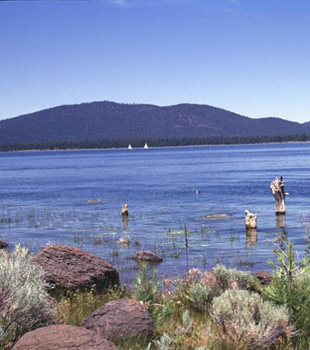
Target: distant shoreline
pixel 76 149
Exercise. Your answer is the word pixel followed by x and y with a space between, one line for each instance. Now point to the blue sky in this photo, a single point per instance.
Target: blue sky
pixel 248 56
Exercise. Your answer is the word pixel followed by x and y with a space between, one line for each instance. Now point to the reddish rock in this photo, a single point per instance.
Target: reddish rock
pixel 144 255
pixel 63 337
pixel 71 268
pixel 121 319
pixel 263 277
pixel 3 244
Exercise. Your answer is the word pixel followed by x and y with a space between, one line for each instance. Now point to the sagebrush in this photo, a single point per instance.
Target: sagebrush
pixel 233 279
pixel 245 320
pixel 24 303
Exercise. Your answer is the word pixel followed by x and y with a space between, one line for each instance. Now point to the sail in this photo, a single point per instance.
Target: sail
pixel 129 146
pixel 146 146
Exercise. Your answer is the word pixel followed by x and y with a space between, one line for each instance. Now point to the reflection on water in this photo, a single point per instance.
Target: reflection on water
pixel 280 221
pixel 125 222
pixel 251 235
pixel 76 198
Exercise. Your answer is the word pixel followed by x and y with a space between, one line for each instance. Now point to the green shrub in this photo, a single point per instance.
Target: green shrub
pixel 295 295
pixel 232 278
pixel 24 302
pixel 147 287
pixel 163 343
pixel 164 312
pixel 290 286
pixel 245 319
pixel 199 296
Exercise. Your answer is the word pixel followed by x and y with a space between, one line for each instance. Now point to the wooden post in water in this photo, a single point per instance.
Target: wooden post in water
pixel 250 220
pixel 250 226
pixel 277 188
pixel 125 211
pixel 125 214
pixel 186 245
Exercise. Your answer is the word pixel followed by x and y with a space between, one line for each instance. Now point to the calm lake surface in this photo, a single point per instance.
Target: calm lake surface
pixel 75 198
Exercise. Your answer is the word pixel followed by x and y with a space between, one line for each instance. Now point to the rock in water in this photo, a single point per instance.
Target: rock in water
pixel 3 244
pixel 120 320
pixel 72 268
pixel 62 337
pixel 264 277
pixel 144 255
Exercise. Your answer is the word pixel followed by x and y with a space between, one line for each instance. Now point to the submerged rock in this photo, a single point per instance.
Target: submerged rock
pixel 215 216
pixel 71 268
pixel 62 337
pixel 120 320
pixel 147 256
pixel 3 244
pixel 93 201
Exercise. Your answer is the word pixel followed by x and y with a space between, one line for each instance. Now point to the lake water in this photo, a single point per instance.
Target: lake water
pixel 75 198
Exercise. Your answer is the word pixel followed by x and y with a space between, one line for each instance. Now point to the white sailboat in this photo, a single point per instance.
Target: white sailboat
pixel 129 146
pixel 146 146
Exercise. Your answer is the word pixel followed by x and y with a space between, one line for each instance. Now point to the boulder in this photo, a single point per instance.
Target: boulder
pixel 72 268
pixel 121 320
pixel 264 277
pixel 3 244
pixel 144 255
pixel 62 337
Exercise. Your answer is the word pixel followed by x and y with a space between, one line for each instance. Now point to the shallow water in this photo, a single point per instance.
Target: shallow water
pixel 75 197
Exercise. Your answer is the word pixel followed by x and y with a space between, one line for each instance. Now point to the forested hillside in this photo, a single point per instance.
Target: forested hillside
pixel 114 124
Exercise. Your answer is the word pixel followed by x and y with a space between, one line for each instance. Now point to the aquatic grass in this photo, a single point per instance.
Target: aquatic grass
pixel 115 253
pixel 241 262
pixel 203 262
pixel 98 239
pixel 137 243
pixel 205 231
pixel 175 255
pixel 78 238
pixel 234 237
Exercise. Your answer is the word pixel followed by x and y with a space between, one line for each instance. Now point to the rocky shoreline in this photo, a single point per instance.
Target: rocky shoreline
pixel 68 268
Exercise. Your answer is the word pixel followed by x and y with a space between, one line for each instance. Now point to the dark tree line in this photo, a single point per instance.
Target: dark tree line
pixel 154 142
